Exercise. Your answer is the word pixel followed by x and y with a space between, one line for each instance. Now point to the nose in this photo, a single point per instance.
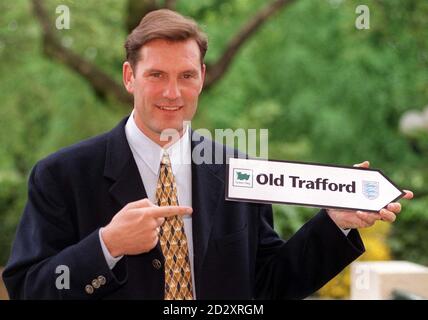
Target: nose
pixel 172 91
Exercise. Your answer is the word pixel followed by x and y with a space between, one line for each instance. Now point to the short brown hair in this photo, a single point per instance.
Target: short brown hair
pixel 164 24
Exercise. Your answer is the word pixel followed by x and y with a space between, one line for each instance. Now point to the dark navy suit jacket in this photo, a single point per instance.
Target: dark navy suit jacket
pixel 237 254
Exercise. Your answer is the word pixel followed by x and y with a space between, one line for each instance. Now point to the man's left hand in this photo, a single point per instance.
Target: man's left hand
pixel 346 219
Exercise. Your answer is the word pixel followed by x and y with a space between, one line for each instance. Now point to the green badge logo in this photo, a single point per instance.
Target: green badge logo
pixel 243 178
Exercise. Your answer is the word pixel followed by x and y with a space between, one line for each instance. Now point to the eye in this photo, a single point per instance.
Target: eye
pixel 156 74
pixel 187 76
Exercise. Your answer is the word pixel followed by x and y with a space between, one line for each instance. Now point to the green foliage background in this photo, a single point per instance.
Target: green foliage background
pixel 326 91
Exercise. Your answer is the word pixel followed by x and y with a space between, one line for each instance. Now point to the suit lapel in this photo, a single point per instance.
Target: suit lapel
pixel 207 196
pixel 121 168
pixel 128 187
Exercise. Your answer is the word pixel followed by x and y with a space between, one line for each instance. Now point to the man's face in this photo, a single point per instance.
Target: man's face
pixel 166 83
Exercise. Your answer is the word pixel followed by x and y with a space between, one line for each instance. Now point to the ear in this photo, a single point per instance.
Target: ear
pixel 203 72
pixel 128 77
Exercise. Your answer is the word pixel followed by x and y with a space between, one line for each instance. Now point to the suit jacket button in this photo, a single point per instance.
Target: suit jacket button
pixel 96 283
pixel 89 289
pixel 102 280
pixel 156 264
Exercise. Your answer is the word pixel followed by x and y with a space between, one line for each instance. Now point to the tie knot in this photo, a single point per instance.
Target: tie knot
pixel 165 159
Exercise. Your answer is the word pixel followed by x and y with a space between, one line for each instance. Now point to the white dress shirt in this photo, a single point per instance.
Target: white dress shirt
pixel 148 155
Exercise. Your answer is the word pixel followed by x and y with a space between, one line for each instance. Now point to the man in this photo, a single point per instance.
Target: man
pixel 127 218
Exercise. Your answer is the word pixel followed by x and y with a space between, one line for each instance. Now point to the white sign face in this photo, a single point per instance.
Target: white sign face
pixel 306 184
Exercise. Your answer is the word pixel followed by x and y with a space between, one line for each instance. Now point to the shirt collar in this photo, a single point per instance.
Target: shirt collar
pixel 151 153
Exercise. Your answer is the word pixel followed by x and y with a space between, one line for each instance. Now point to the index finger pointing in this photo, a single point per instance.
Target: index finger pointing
pixel 169 211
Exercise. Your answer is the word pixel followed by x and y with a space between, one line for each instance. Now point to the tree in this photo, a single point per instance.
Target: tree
pixel 104 85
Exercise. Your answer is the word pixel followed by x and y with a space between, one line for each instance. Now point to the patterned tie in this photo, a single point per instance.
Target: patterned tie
pixel 178 280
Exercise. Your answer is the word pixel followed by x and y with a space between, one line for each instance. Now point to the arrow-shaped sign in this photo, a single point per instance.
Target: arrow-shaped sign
pixel 307 184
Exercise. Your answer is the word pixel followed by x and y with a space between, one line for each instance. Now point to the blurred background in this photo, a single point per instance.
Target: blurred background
pixel 327 91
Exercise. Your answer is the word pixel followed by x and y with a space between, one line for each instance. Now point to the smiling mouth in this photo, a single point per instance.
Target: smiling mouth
pixel 169 108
